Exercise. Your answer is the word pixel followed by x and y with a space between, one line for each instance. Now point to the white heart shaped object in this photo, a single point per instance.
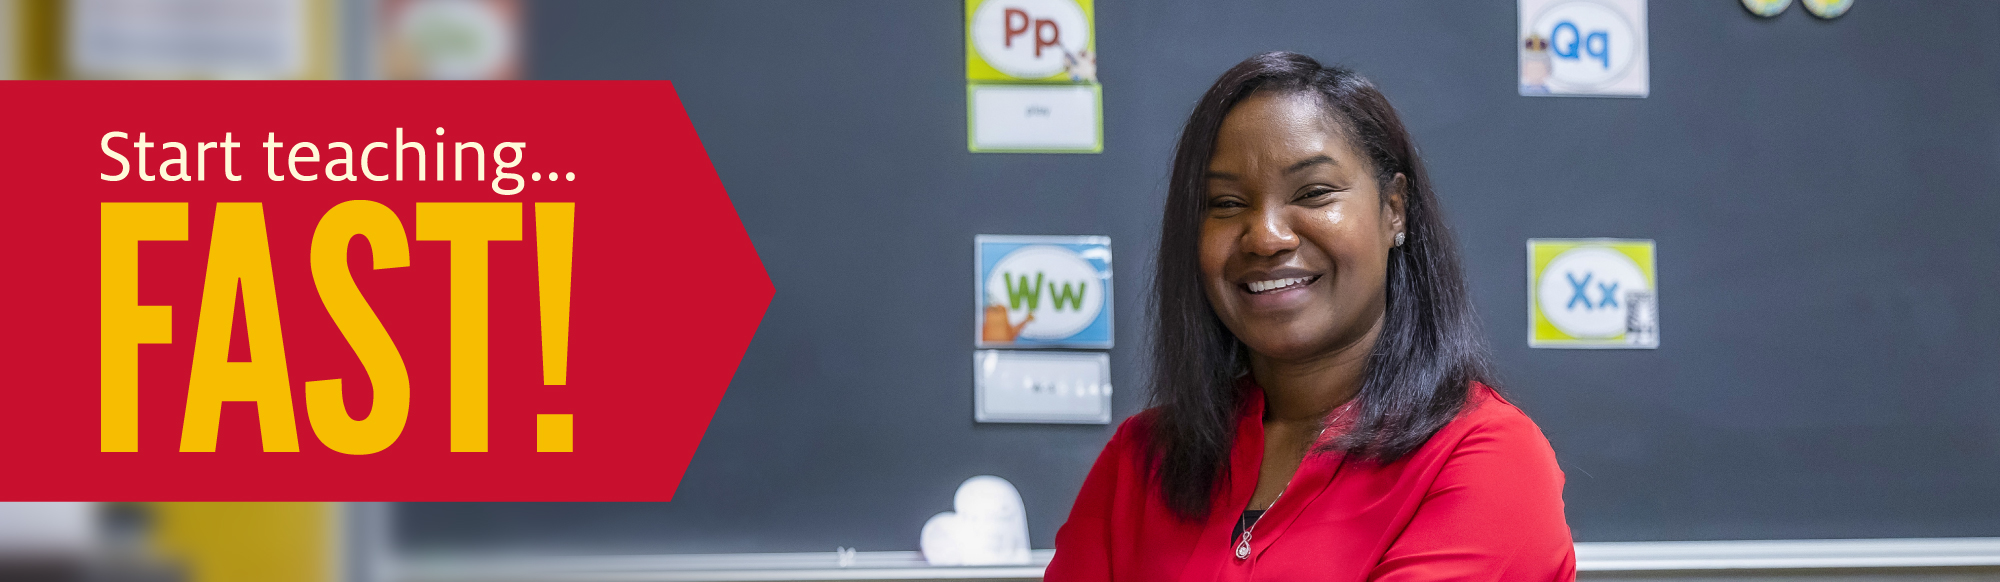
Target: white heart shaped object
pixel 992 522
pixel 940 540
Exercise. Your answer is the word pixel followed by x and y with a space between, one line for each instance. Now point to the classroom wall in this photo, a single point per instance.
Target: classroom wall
pixel 1821 194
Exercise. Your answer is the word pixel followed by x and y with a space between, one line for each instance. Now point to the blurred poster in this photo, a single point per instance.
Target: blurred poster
pixel 1031 77
pixel 1040 386
pixel 1592 293
pixel 451 39
pixel 1585 48
pixel 1043 291
pixel 197 39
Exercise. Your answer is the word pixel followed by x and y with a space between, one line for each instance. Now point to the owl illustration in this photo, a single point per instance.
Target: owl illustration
pixel 1534 65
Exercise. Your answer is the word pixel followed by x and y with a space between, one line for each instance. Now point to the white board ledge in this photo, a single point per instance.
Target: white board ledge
pixel 827 566
pixel 1787 554
pixel 805 566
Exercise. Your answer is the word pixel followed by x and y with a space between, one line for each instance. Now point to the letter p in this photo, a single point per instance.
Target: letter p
pixel 1053 39
pixel 1014 30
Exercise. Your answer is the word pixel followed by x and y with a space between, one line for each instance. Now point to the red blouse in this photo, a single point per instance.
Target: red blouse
pixel 1482 500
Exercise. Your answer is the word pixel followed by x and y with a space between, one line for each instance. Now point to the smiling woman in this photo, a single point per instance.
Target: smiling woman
pixel 1321 406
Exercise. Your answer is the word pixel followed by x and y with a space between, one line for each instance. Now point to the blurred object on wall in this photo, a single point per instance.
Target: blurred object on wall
pixel 1827 9
pixel 451 39
pixel 170 542
pixel 10 40
pixel 33 36
pixel 1766 8
pixel 200 39
pixel 249 542
pixel 82 542
pixel 66 529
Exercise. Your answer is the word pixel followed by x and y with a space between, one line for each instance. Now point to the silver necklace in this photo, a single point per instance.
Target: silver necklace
pixel 1243 547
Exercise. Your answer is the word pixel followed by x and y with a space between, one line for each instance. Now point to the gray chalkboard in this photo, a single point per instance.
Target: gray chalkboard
pixel 1824 196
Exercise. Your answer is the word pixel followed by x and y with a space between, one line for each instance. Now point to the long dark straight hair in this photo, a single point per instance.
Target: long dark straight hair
pixel 1430 348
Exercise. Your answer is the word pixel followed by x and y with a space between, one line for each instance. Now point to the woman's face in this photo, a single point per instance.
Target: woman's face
pixel 1295 245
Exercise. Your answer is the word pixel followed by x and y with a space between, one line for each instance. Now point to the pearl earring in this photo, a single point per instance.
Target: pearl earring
pixel 1399 239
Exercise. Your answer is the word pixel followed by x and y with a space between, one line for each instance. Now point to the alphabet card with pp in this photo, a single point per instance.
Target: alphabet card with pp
pixel 1031 77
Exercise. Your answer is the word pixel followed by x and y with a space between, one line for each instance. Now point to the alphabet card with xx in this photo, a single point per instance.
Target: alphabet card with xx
pixel 1592 293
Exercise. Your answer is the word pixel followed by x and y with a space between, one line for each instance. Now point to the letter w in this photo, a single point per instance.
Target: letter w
pixel 1063 294
pixel 1033 293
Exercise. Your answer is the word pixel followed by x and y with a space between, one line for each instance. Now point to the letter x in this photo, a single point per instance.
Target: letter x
pixel 1610 294
pixel 1579 292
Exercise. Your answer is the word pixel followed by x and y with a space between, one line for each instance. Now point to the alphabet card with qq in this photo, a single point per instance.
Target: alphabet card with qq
pixel 1031 77
pixel 1583 48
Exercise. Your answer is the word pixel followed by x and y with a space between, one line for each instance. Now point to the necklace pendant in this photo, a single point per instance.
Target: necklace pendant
pixel 1243 547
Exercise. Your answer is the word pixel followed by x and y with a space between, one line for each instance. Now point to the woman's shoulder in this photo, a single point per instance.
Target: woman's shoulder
pixel 1129 453
pixel 1136 432
pixel 1489 420
pixel 1135 442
